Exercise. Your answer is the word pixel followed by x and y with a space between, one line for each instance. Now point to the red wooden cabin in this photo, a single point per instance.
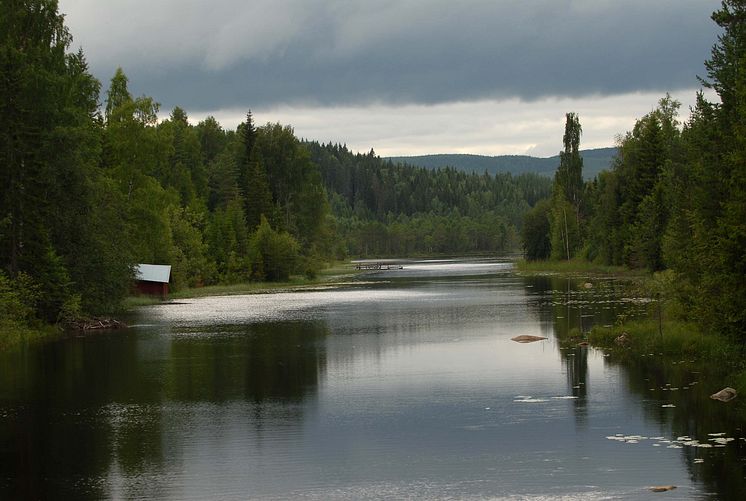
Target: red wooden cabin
pixel 152 279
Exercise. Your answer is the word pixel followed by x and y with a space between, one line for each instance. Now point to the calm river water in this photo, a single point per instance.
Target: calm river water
pixel 403 385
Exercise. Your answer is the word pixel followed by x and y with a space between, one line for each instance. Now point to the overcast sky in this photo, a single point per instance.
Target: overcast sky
pixel 408 76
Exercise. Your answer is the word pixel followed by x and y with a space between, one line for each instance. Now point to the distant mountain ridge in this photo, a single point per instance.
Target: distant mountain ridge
pixel 594 161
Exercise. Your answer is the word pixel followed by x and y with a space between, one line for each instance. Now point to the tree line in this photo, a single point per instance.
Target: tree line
pixel 395 209
pixel 94 181
pixel 674 199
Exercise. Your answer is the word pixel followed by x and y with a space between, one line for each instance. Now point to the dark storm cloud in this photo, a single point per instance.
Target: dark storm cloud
pixel 205 55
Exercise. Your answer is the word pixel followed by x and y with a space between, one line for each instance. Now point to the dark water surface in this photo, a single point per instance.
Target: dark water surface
pixel 406 385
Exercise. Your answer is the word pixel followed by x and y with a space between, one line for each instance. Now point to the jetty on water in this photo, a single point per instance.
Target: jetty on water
pixel 378 266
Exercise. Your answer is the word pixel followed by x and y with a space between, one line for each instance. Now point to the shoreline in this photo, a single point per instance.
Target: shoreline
pixel 338 274
pixel 659 333
pixel 678 340
pixel 576 268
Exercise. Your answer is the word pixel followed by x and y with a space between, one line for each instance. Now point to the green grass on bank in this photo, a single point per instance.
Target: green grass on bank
pixel 575 267
pixel 673 338
pixel 675 341
pixel 339 272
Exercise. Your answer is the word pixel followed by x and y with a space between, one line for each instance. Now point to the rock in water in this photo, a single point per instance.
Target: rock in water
pixel 662 488
pixel 724 395
pixel 622 339
pixel 527 339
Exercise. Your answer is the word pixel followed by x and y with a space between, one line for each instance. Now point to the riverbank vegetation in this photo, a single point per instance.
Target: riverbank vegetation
pixel 673 204
pixel 96 181
pixel 576 266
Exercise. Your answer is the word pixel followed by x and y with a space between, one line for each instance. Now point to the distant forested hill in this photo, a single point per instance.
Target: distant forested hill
pixel 594 161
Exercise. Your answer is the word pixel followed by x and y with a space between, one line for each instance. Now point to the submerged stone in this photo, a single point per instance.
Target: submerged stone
pixel 662 488
pixel 527 339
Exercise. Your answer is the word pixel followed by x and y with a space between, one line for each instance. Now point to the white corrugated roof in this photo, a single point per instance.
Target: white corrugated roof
pixel 153 272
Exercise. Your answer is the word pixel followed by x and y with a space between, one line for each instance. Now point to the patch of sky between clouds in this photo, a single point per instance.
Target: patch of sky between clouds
pixel 487 127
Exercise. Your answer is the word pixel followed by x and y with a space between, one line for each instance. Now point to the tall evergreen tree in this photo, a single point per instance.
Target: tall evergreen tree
pixel 49 148
pixel 719 236
pixel 252 177
pixel 118 94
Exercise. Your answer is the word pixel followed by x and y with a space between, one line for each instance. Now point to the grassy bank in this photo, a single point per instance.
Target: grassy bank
pixel 673 338
pixel 575 267
pixel 670 338
pixel 675 341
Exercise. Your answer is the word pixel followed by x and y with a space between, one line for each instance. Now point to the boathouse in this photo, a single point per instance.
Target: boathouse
pixel 152 279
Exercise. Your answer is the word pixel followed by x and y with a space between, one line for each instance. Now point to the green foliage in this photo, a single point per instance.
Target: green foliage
pixel 630 209
pixel 85 197
pixel 675 199
pixel 575 267
pixel 385 209
pixel 118 94
pixel 274 254
pixel 228 243
pixel 191 264
pixel 679 339
pixel 568 180
pixel 536 231
pixel 18 298
pixel 564 229
pixel 566 212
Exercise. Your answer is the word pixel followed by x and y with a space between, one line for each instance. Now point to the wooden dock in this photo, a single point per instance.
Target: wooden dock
pixel 378 266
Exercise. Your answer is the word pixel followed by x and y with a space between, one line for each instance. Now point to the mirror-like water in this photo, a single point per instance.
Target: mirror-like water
pixel 405 385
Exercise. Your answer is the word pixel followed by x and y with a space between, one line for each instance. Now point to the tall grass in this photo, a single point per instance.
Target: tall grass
pixel 672 337
pixel 576 266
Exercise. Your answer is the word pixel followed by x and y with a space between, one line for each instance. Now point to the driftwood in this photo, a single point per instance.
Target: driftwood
pixel 724 395
pixel 97 324
pixel 527 339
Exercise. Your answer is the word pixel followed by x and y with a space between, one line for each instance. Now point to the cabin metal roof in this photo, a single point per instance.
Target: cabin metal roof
pixel 153 272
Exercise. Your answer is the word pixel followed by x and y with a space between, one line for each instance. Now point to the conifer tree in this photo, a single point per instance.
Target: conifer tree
pixel 252 178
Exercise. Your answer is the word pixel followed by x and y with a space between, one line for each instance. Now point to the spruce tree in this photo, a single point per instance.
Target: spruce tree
pixel 252 178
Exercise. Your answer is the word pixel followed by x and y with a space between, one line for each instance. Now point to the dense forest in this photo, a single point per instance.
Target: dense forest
pixel 385 209
pixel 95 181
pixel 674 202
pixel 594 161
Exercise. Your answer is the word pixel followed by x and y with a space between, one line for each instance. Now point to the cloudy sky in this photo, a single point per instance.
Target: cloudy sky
pixel 406 76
